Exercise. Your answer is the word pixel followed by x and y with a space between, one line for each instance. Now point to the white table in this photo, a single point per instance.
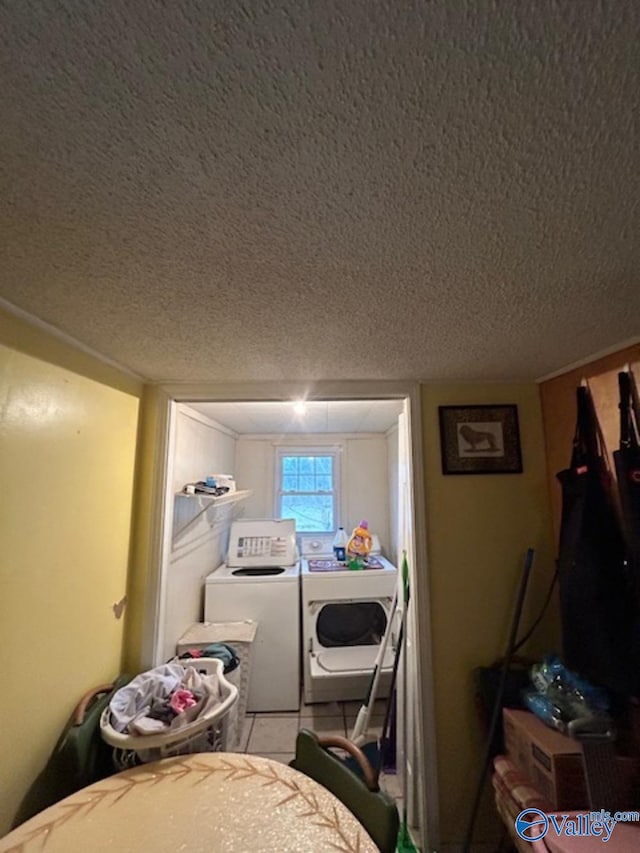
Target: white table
pixel 212 802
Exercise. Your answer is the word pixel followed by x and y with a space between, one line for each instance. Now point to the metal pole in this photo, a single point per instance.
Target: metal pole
pixel 497 707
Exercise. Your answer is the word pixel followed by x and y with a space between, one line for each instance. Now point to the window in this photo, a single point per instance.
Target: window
pixel 307 487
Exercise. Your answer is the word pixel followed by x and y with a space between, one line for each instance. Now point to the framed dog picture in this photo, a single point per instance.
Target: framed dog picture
pixel 480 439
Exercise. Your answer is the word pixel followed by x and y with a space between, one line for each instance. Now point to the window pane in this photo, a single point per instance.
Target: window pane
pixel 305 464
pixel 307 484
pixel 290 483
pixel 290 464
pixel 324 465
pixel 312 513
pixel 323 484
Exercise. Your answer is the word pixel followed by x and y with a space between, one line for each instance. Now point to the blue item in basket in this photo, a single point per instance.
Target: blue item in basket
pixel 222 651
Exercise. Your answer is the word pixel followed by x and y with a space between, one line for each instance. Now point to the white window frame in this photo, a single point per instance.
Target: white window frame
pixel 332 450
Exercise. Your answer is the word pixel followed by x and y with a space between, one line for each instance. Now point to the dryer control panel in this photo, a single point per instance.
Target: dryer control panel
pixel 321 544
pixel 317 544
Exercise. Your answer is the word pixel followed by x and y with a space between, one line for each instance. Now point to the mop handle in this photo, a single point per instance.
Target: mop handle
pixel 400 653
pixel 382 648
pixel 364 714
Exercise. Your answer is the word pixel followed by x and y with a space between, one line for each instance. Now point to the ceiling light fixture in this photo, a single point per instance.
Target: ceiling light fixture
pixel 300 407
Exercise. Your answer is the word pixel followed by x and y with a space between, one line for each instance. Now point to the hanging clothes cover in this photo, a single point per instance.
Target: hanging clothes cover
pixel 627 463
pixel 596 600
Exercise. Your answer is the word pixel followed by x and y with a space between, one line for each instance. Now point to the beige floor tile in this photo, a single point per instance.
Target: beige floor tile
pixel 247 725
pixel 271 714
pixel 321 709
pixel 324 725
pixel 312 718
pixel 391 784
pixel 273 734
pixel 352 708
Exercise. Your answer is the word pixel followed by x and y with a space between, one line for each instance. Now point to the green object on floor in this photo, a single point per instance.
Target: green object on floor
pixel 79 758
pixel 405 844
pixel 375 809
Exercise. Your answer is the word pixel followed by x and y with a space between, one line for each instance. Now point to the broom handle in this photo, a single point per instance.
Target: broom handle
pixel 364 714
pixel 400 652
pixel 405 696
pixel 392 687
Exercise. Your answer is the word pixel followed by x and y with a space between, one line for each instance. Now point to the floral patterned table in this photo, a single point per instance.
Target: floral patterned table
pixel 212 802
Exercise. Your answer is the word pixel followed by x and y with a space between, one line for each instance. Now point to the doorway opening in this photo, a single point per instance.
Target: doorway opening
pixel 375 432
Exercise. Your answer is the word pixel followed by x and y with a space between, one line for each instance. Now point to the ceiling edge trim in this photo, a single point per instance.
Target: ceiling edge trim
pixel 588 359
pixel 285 391
pixel 32 320
pixel 277 438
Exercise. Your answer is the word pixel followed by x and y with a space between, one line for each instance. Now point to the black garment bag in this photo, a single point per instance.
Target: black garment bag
pixel 627 462
pixel 596 600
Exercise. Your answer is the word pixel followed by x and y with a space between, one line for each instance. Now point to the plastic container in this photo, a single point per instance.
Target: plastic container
pixel 208 733
pixel 359 545
pixel 340 545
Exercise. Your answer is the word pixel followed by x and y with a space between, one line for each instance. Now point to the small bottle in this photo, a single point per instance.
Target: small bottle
pixel 340 545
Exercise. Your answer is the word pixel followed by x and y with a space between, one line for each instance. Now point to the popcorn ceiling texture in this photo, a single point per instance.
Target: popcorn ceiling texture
pixel 318 189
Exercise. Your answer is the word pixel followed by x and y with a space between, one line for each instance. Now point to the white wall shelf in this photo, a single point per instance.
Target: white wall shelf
pixel 219 510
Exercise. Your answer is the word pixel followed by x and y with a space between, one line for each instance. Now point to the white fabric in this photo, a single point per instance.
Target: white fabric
pixel 130 705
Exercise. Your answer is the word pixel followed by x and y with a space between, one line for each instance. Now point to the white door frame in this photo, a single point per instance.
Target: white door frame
pixel 167 395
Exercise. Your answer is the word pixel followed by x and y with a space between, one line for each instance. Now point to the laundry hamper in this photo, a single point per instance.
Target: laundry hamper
pixel 240 636
pixel 210 732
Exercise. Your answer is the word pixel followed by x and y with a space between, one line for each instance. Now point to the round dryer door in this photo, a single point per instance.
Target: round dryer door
pixel 357 623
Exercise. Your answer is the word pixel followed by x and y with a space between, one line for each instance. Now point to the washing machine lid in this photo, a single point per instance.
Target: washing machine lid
pixel 257 575
pixel 262 542
pixel 348 660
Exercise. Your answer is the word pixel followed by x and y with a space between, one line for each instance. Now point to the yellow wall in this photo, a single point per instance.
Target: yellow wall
pixel 479 528
pixel 146 533
pixel 66 468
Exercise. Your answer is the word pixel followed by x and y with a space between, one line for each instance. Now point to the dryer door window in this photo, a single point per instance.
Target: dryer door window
pixel 354 623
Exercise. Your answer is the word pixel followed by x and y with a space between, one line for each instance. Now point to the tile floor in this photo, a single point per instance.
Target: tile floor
pixel 274 734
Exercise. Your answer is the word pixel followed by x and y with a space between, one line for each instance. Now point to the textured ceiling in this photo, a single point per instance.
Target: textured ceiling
pixel 321 189
pixel 335 416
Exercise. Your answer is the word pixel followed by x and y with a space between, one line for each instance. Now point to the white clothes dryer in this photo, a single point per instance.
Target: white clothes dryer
pixel 261 581
pixel 344 616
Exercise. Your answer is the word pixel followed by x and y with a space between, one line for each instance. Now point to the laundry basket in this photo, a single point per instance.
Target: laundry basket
pixel 240 636
pixel 209 732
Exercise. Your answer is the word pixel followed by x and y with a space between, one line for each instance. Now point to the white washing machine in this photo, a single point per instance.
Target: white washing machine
pixel 261 581
pixel 344 616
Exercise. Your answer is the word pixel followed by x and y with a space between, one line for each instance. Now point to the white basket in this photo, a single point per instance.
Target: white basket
pixel 208 733
pixel 238 635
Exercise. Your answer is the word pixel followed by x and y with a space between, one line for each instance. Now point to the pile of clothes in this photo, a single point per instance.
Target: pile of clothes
pixel 222 651
pixel 163 699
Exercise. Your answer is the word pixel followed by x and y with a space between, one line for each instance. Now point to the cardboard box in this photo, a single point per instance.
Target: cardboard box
pixel 552 761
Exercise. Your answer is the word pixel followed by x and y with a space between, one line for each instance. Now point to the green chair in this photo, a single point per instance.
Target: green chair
pixel 375 809
pixel 79 758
